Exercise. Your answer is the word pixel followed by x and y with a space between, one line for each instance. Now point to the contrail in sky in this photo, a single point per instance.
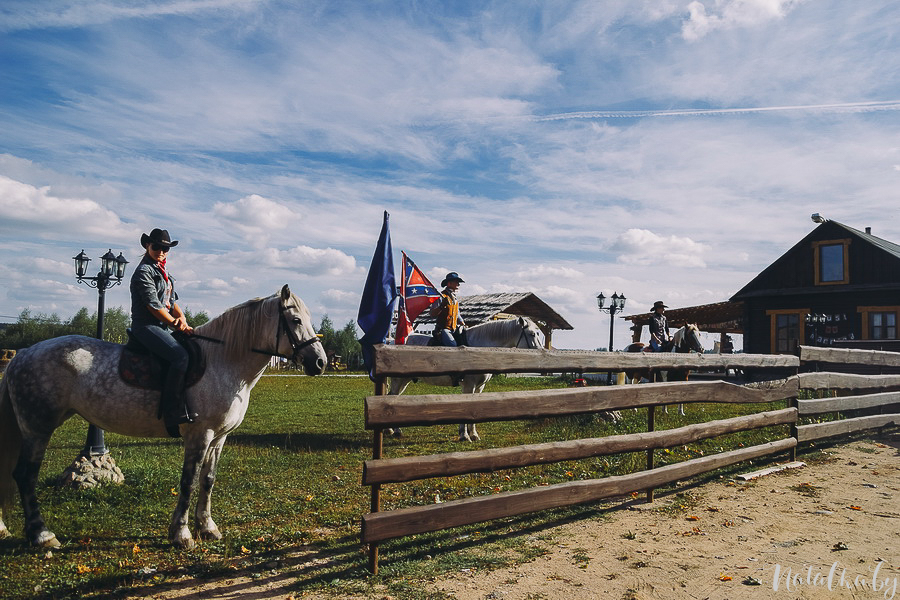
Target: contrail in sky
pixel 850 107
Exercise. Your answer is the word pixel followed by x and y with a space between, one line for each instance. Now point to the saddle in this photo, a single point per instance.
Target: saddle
pixel 139 368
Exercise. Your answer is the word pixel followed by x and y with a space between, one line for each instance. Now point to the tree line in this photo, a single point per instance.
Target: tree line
pixel 31 328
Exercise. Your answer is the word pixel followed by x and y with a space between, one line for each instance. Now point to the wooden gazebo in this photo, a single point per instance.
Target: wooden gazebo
pixel 486 307
pixel 721 317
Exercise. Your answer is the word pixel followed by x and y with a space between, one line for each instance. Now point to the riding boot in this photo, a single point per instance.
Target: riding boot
pixel 175 408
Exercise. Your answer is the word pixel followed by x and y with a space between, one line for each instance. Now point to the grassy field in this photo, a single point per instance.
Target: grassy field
pixel 289 483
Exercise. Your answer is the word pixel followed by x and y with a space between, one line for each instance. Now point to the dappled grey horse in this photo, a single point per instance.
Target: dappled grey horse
pixel 49 382
pixel 506 333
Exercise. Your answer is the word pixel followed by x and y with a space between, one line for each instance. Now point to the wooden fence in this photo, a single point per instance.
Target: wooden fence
pixel 768 378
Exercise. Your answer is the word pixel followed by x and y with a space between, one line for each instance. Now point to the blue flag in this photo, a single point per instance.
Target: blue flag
pixel 376 308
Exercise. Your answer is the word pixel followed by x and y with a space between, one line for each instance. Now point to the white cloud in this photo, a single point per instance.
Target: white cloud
pixel 340 297
pixel 729 14
pixel 308 261
pixel 643 247
pixel 256 217
pixel 549 271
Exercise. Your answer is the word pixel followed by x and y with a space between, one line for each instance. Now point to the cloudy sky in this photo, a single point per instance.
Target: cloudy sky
pixel 664 149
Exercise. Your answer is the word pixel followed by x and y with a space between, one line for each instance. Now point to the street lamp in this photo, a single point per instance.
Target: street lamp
pixel 617 304
pixel 112 271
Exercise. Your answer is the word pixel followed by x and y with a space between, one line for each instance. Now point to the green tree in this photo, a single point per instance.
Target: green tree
pixel 348 345
pixel 195 320
pixel 115 323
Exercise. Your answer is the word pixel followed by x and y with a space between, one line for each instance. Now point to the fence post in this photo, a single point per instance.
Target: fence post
pixel 377 451
pixel 651 426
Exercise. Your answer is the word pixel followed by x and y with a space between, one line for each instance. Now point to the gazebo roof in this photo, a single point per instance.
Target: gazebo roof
pixel 721 317
pixel 484 307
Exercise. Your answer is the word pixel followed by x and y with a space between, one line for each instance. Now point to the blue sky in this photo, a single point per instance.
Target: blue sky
pixel 664 149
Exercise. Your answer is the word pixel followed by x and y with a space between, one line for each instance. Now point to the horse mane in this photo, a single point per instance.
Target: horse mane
pixel 498 328
pixel 233 325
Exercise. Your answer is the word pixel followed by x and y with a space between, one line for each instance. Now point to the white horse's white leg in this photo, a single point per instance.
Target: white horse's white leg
pixel 681 409
pixel 195 449
pixel 471 384
pixel 205 527
pixel 398 386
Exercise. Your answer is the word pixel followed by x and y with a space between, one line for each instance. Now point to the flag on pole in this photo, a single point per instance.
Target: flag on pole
pixel 376 308
pixel 416 294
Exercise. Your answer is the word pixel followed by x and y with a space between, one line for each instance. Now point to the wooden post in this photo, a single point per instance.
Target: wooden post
pixel 651 426
pixel 377 451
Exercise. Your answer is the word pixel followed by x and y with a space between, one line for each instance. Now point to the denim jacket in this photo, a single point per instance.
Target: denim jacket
pixel 150 288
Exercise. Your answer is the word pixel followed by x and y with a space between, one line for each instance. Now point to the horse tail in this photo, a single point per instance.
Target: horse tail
pixel 10 443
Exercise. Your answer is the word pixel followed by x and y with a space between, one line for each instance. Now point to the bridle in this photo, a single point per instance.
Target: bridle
pixel 531 344
pixel 284 328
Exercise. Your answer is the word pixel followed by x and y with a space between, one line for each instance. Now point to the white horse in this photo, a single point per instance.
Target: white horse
pixel 52 380
pixel 507 333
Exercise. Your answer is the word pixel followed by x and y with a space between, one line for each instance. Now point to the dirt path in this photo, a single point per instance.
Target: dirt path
pixel 708 542
pixel 785 535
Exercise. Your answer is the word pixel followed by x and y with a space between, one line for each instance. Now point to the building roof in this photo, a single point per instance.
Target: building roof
pixel 484 307
pixel 720 317
pixel 785 275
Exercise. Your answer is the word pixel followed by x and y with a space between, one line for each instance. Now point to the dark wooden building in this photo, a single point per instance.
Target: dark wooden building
pixel 850 277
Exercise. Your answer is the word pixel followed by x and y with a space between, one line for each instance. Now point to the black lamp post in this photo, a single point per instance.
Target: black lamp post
pixel 112 271
pixel 815 320
pixel 617 304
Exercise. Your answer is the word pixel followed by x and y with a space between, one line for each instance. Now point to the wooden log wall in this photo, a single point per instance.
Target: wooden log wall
pixel 784 383
pixel 851 392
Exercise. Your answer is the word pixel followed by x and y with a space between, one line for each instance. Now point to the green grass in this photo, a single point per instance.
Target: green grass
pixel 289 491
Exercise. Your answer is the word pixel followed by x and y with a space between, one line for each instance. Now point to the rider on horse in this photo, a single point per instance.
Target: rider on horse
pixel 449 329
pixel 153 313
pixel 659 328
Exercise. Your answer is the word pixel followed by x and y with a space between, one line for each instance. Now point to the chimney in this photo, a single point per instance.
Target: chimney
pixel 869 230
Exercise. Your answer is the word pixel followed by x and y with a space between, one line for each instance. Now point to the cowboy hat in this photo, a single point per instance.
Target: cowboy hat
pixel 451 276
pixel 159 237
pixel 658 304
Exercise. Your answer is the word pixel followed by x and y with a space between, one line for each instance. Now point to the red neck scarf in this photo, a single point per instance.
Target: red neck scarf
pixel 162 267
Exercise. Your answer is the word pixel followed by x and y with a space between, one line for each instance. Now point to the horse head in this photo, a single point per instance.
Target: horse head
pixel 530 336
pixel 687 339
pixel 305 346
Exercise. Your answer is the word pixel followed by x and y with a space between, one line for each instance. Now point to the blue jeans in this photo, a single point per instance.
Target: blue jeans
pixel 446 337
pixel 161 343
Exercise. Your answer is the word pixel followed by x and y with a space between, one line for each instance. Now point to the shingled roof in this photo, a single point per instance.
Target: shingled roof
pixel 484 307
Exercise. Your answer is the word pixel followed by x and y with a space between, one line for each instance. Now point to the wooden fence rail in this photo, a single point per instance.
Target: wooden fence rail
pixel 776 378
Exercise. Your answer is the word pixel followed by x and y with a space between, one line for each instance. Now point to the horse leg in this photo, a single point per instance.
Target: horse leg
pixel 471 384
pixel 203 523
pixel 398 386
pixel 26 474
pixel 195 448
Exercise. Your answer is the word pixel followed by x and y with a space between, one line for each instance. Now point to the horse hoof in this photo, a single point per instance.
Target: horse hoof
pixel 47 539
pixel 210 534
pixel 180 537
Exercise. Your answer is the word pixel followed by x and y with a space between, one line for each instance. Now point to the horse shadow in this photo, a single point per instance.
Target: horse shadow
pixel 301 442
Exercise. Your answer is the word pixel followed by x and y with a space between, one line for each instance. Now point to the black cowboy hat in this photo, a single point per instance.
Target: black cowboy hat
pixel 452 276
pixel 159 237
pixel 658 304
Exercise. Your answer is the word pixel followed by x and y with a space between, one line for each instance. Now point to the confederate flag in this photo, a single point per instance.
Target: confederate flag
pixel 416 294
